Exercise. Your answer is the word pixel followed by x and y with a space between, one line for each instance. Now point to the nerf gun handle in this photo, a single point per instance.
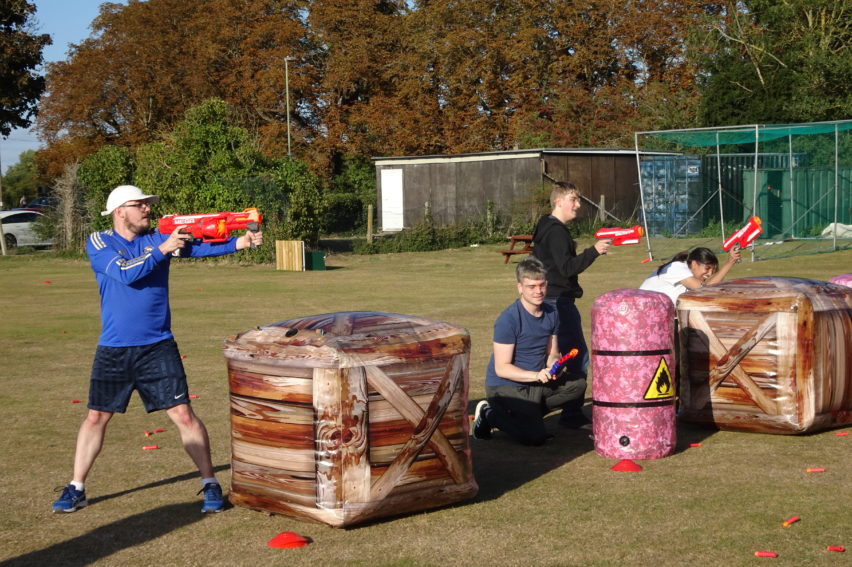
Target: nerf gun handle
pixel 557 366
pixel 622 236
pixel 253 227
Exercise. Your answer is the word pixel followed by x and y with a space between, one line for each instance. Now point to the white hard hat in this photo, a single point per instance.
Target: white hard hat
pixel 124 193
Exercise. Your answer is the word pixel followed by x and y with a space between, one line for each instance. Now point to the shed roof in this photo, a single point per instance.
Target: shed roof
pixel 512 154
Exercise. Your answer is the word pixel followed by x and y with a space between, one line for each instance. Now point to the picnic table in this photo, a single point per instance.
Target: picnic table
pixel 525 239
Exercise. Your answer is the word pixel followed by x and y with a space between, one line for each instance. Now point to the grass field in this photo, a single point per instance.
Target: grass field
pixel 555 505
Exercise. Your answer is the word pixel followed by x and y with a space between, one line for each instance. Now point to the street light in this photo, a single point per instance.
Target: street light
pixel 287 97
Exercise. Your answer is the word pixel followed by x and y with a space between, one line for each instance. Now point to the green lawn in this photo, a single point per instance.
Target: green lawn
pixel 555 505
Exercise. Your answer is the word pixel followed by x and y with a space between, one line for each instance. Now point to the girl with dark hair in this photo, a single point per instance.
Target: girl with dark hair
pixel 689 270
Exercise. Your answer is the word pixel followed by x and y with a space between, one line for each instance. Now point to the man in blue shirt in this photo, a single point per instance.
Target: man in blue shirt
pixel 136 349
pixel 519 388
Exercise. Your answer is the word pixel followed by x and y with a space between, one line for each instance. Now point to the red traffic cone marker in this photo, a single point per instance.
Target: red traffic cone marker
pixel 626 465
pixel 287 540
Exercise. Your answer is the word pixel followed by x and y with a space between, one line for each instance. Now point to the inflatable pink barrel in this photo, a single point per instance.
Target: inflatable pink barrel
pixel 842 279
pixel 633 365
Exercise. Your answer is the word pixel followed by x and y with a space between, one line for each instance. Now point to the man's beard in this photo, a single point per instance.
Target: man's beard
pixel 142 227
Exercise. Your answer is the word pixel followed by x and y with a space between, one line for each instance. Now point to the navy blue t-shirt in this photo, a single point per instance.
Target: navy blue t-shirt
pixel 530 335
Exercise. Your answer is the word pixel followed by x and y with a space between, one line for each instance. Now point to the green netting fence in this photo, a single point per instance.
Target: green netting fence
pixel 700 185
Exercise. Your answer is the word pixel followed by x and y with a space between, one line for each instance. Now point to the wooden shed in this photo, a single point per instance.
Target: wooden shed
pixel 456 188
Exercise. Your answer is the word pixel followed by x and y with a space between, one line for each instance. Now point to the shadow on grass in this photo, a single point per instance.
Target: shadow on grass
pixel 163 482
pixel 111 538
pixel 501 465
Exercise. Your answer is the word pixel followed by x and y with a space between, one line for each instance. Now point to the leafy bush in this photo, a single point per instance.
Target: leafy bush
pixel 353 190
pixel 713 229
pixel 344 212
pixel 100 173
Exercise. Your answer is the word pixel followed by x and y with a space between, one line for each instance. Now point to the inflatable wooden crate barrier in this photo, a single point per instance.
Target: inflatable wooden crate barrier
pixel 347 417
pixel 767 354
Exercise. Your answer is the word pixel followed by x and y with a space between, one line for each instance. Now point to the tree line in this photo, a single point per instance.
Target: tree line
pixel 412 77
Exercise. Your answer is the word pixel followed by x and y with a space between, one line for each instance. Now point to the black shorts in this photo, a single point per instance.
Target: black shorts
pixel 155 371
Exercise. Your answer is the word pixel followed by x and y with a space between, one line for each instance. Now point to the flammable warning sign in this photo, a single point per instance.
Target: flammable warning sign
pixel 661 385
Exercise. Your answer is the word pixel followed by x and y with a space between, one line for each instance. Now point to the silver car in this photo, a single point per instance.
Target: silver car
pixel 18 228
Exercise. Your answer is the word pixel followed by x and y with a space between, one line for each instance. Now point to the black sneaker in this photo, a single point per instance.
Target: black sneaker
pixel 481 427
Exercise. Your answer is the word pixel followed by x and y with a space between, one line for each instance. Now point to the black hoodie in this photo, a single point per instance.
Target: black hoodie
pixel 553 245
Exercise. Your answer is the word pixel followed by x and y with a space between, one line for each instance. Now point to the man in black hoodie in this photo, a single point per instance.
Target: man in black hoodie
pixel 553 245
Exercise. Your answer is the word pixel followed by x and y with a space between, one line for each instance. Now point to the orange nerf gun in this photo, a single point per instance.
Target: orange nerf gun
pixel 744 236
pixel 211 227
pixel 622 236
pixel 557 366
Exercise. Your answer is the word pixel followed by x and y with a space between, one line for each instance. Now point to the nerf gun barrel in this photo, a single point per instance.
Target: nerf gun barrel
pixel 211 227
pixel 557 366
pixel 622 236
pixel 744 236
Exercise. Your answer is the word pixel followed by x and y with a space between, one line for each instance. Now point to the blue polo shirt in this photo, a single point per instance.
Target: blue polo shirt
pixel 133 280
pixel 530 335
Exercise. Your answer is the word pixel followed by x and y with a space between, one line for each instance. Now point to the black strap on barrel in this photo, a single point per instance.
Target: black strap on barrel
pixel 654 404
pixel 632 352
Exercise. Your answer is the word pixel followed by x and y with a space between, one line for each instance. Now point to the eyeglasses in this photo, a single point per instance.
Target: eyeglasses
pixel 137 205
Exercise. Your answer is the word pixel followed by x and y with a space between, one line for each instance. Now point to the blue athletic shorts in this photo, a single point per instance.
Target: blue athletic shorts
pixel 155 371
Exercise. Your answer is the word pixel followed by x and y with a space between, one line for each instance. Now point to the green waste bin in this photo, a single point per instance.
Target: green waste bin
pixel 314 260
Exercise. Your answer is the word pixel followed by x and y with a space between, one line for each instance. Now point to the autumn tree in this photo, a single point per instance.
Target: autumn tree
pixel 21 48
pixel 777 61
pixel 147 63
pixel 377 77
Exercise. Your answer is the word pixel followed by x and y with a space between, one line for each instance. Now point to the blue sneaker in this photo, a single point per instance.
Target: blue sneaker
pixel 71 499
pixel 213 499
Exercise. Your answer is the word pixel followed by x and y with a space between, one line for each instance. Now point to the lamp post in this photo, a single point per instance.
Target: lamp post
pixel 287 99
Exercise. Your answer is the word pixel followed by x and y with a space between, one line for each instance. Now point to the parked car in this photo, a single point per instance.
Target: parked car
pixel 43 203
pixel 18 228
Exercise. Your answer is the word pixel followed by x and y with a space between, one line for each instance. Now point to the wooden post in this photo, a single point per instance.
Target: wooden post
pixel 602 208
pixel 370 222
pixel 2 239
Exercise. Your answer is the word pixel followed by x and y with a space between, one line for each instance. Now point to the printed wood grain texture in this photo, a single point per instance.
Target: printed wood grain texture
pixel 767 354
pixel 346 417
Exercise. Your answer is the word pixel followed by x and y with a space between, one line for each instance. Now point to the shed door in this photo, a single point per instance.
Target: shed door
pixel 392 200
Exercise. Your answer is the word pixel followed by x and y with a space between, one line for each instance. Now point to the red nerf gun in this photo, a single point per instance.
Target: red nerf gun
pixel 557 366
pixel 744 236
pixel 622 236
pixel 211 227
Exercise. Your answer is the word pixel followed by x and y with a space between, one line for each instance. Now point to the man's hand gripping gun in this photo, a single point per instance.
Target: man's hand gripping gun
pixel 560 364
pixel 622 236
pixel 212 227
pixel 744 236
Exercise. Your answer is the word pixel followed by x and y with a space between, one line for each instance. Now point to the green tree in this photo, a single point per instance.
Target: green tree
pixel 776 61
pixel 305 206
pixel 201 165
pixel 22 179
pixel 21 48
pixel 100 173
pixel 208 164
pixel 352 191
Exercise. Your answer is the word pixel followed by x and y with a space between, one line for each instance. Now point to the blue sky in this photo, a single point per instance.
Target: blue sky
pixel 67 21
